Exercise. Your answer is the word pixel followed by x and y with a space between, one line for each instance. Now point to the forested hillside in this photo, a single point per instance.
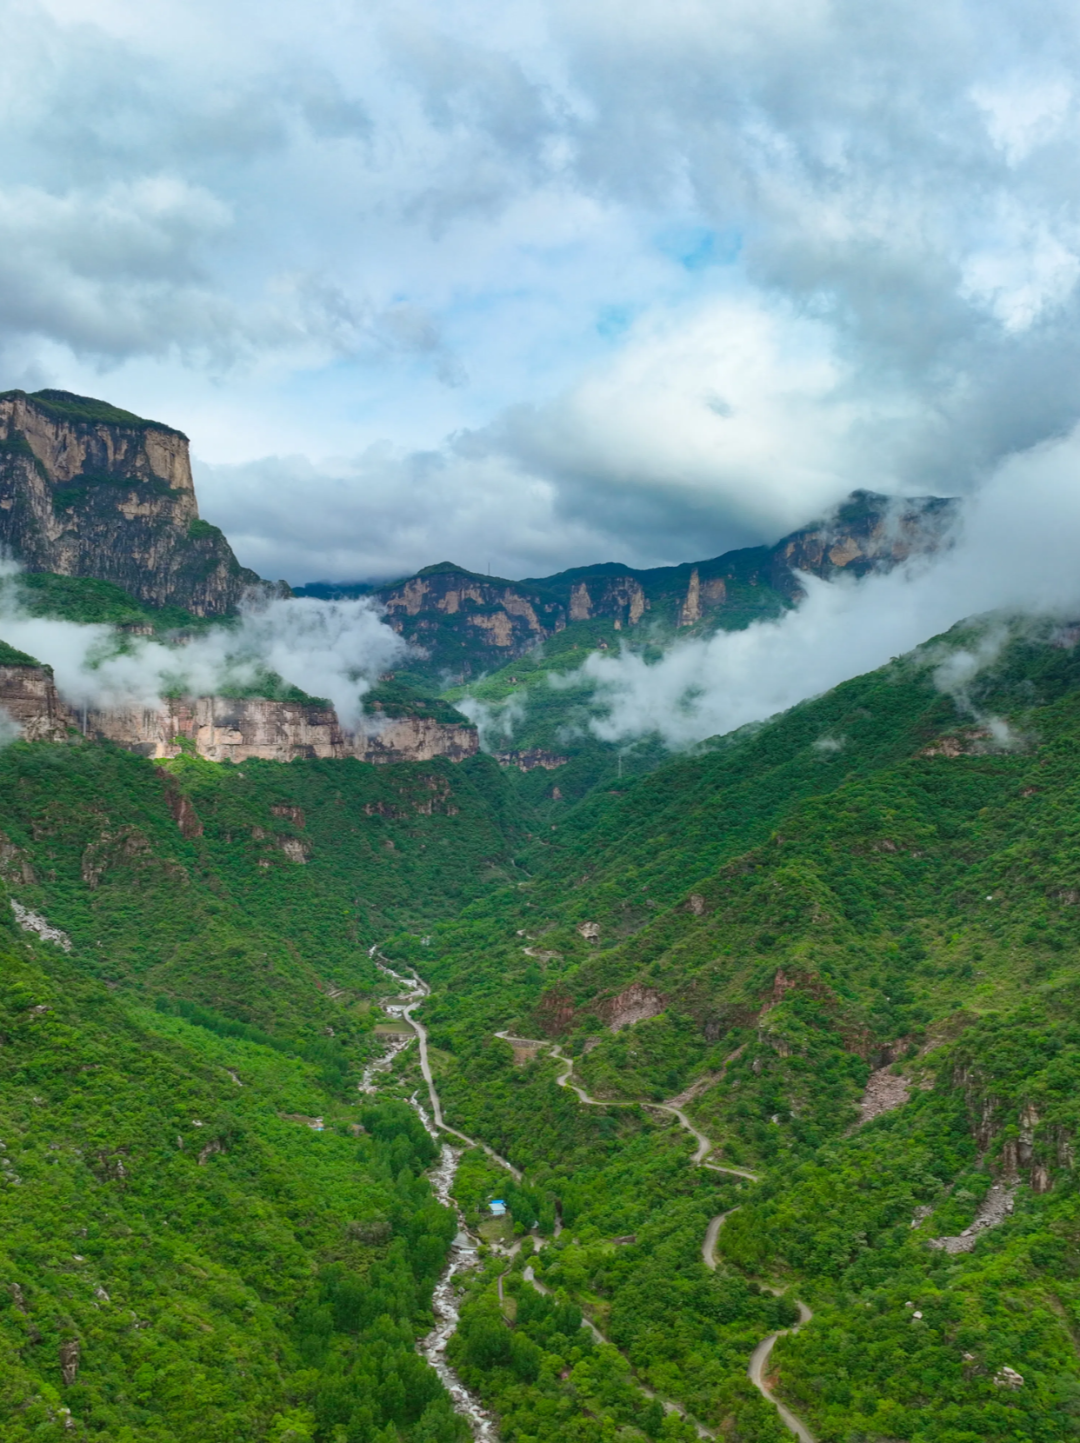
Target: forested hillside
pixel 840 947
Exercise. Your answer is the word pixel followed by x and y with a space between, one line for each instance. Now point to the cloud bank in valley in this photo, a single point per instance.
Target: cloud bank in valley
pixel 1015 554
pixel 334 649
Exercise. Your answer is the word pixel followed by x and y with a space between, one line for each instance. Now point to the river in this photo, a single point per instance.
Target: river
pixel 464 1249
pixel 463 1252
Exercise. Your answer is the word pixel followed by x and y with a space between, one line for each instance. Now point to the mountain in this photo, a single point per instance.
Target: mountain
pixel 87 490
pixel 468 623
pixel 842 944
pixel 758 1066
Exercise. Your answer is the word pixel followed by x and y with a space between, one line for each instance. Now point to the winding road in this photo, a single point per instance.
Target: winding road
pixel 704 1146
pixel 416 991
pixel 756 1370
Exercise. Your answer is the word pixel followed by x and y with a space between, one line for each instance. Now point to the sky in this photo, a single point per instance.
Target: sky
pixel 532 286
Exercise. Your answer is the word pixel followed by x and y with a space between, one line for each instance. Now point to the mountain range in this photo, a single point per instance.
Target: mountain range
pixel 536 1096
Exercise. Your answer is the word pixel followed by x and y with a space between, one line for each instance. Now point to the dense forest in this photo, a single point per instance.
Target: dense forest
pixel 816 985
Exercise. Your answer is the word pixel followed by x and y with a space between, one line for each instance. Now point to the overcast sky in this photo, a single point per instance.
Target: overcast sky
pixel 536 284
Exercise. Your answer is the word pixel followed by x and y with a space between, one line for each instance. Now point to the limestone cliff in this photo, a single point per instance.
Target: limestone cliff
pixel 867 533
pixel 226 729
pixel 29 698
pixel 469 623
pixel 89 490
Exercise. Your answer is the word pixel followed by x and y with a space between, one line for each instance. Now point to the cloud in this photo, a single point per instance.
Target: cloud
pixel 1014 557
pixel 651 279
pixel 703 433
pixel 329 649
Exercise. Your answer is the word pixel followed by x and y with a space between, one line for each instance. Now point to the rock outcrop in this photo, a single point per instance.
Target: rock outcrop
pixel 227 729
pixel 89 490
pixel 469 623
pixel 29 697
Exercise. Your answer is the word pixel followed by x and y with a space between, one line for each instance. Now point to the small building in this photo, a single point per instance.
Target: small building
pixel 498 1207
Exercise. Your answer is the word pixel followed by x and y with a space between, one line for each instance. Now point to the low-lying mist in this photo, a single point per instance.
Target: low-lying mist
pixel 1018 552
pixel 332 649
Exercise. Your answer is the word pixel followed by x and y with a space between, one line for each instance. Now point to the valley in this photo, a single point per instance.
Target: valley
pixel 356 1090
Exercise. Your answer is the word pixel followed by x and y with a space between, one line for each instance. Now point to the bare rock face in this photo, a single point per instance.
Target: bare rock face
pixel 884 1092
pixel 69 1361
pixel 88 490
pixel 530 759
pixel 633 1004
pixel 867 533
pixel 459 617
pixel 225 730
pixel 29 697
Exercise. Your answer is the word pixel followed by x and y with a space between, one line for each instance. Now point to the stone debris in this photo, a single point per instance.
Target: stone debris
pixel 995 1207
pixel 31 922
pixel 1008 1378
pixel 69 1361
pixel 884 1092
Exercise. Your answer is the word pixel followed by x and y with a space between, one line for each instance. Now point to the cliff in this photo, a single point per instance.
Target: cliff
pixel 88 490
pixel 469 623
pixel 226 729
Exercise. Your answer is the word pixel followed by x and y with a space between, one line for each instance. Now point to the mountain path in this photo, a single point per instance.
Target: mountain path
pixel 417 991
pixel 761 1354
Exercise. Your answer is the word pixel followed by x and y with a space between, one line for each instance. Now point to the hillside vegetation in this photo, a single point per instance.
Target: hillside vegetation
pixel 879 886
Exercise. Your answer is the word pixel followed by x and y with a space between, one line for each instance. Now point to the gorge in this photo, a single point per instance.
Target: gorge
pixel 766 1050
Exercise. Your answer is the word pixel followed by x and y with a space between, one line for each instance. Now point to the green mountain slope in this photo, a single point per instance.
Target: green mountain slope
pixel 178 1244
pixel 878 887
pixel 872 881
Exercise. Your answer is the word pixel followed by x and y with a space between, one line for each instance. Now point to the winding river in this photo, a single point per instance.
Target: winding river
pixel 463 1251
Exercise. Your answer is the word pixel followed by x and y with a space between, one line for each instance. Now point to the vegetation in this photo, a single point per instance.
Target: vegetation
pixel 65 406
pixel 880 884
pixel 87 599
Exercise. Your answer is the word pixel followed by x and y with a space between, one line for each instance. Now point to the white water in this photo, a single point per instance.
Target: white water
pixel 463 1250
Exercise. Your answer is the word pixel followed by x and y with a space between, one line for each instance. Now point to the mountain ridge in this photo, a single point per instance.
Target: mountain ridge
pixel 450 610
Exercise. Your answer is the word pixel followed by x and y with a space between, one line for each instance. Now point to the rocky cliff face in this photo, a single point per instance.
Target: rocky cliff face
pixel 868 533
pixel 226 729
pixel 88 490
pixel 469 623
pixel 30 700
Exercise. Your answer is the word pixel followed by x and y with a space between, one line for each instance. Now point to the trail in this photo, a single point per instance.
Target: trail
pixel 761 1354
pixel 433 1347
pixel 704 1145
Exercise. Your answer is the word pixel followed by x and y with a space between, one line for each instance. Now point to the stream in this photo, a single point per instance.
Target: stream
pixel 464 1249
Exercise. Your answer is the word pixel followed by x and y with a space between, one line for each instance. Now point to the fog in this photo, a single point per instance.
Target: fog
pixel 332 649
pixel 1016 553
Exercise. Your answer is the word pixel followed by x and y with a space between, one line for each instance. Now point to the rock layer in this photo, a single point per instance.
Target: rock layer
pixel 467 622
pixel 87 490
pixel 225 728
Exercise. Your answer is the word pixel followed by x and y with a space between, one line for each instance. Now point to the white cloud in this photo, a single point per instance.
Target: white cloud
pixel 450 228
pixel 328 649
pixel 1015 555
